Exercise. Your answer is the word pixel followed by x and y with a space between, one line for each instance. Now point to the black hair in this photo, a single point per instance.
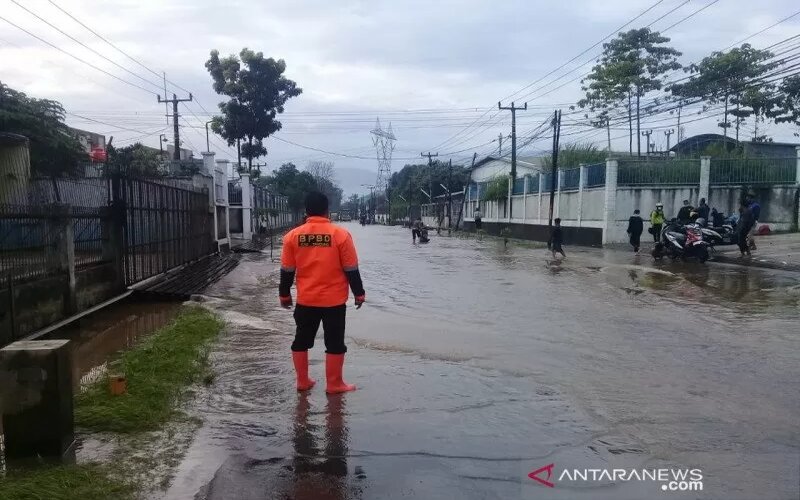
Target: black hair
pixel 636 211
pixel 316 203
pixel 557 220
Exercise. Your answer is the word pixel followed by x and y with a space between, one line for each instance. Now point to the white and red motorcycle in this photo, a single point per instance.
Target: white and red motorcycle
pixel 682 242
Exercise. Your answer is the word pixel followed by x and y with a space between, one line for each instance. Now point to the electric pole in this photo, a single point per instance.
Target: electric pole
pixel 449 194
pixel 647 133
pixel 556 138
pixel 430 173
pixel 177 153
pixel 668 133
pixel 500 147
pixel 513 110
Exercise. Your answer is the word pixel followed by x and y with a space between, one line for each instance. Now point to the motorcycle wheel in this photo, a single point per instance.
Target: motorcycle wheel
pixel 657 253
pixel 702 255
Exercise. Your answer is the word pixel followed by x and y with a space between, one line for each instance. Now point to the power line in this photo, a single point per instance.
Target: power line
pixel 81 43
pixel 78 58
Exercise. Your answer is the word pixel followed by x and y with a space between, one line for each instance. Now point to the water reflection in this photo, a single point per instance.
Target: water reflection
pixel 97 337
pixel 320 471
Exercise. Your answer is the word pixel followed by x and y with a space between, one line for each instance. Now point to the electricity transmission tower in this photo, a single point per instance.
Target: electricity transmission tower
pixel 383 140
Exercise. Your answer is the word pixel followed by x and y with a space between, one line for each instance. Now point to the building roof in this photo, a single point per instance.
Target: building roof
pixel 700 140
pixel 9 139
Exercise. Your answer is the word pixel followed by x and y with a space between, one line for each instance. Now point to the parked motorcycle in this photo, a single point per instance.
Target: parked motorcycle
pixel 682 241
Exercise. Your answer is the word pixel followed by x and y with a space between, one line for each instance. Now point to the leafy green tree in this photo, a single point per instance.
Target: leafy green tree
pixel 727 78
pixel 135 159
pixel 54 150
pixel 632 65
pixel 409 181
pixel 258 92
pixel 787 105
pixel 290 182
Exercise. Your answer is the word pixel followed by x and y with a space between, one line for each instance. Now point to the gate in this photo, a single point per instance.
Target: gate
pixel 162 226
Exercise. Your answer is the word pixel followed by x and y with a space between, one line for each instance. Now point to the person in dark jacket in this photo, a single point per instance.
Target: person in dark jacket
pixel 755 207
pixel 557 239
pixel 685 213
pixel 635 228
pixel 743 227
pixel 703 211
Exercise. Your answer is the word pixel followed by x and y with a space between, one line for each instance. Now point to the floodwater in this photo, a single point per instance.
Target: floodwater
pixel 478 364
pixel 96 338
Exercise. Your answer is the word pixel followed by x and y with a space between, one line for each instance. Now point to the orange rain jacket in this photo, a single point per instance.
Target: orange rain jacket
pixel 320 253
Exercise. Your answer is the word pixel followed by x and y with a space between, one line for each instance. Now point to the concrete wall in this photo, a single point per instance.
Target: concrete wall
pixel 778 203
pixel 593 200
pixel 609 207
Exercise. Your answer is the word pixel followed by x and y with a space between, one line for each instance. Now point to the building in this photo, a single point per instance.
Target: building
pixel 15 169
pixel 698 145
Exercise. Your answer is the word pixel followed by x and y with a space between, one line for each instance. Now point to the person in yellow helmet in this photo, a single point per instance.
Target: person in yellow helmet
pixel 657 221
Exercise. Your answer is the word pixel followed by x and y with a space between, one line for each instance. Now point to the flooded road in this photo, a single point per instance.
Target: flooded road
pixel 478 364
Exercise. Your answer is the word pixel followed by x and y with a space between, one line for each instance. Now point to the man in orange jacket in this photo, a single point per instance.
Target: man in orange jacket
pixel 323 258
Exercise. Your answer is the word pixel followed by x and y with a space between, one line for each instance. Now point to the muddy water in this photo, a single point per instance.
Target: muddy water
pixel 98 337
pixel 478 364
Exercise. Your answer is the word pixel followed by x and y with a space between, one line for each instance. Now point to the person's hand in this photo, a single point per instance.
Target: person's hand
pixel 286 302
pixel 360 301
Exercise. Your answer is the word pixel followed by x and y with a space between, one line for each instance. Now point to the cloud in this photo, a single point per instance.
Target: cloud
pixel 358 55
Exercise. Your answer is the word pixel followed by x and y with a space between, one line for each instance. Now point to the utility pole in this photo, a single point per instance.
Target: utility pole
pixel 449 195
pixel 556 138
pixel 430 173
pixel 500 147
pixel 668 133
pixel 513 110
pixel 647 133
pixel 177 153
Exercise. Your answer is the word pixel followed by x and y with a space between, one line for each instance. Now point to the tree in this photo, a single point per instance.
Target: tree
pixel 54 150
pixel 290 182
pixel 258 92
pixel 727 78
pixel 325 181
pixel 787 103
pixel 135 159
pixel 411 179
pixel 632 64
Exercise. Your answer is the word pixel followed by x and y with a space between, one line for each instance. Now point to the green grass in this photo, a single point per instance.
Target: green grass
pixel 158 372
pixel 87 482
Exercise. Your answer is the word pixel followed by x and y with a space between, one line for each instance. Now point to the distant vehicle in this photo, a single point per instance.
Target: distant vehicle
pixel 334 216
pixel 344 216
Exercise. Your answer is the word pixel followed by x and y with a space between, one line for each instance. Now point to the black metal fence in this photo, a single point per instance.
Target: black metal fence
pixel 163 226
pixel 47 212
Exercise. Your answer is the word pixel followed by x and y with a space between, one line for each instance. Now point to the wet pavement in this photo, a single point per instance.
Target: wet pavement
pixel 478 364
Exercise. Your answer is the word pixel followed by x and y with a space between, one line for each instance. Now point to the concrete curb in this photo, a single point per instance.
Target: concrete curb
pixel 753 262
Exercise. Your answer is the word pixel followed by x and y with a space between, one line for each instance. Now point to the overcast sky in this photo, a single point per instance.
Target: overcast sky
pixel 361 59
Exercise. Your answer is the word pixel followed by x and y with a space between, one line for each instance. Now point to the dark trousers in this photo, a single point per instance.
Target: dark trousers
pixel 656 232
pixel 415 233
pixel 636 241
pixel 308 318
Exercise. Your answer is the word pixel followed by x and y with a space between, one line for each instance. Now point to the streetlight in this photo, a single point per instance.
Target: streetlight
pixel 162 138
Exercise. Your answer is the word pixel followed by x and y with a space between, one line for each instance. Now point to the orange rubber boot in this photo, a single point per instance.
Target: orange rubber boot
pixel 334 363
pixel 300 360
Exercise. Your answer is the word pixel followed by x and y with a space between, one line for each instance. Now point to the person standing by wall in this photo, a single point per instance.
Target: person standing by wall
pixel 323 258
pixel 685 213
pixel 703 211
pixel 635 228
pixel 743 227
pixel 657 221
pixel 478 216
